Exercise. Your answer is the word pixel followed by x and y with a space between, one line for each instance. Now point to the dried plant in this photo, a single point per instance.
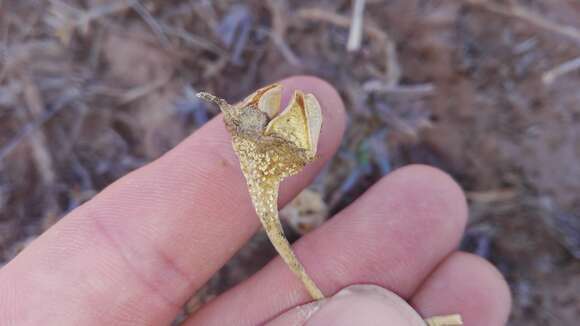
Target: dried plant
pixel 272 147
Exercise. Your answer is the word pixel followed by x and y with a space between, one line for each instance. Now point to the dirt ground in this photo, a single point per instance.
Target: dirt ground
pixel 485 90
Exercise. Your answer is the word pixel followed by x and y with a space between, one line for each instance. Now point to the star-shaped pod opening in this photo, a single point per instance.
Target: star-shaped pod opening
pixel 300 122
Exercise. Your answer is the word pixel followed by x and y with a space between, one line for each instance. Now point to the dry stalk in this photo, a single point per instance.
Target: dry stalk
pixel 277 34
pixel 66 19
pixel 356 27
pixel 143 90
pixel 449 320
pixel 562 69
pixel 284 49
pixel 38 142
pixel 393 73
pixel 151 22
pixel 40 117
pixel 492 196
pixel 377 86
pixel 526 15
pixel 191 40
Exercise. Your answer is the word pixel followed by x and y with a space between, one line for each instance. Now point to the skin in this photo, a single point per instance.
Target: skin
pixel 139 249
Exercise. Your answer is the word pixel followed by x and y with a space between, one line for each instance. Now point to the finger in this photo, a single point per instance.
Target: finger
pixel 392 236
pixel 355 305
pixel 142 246
pixel 468 285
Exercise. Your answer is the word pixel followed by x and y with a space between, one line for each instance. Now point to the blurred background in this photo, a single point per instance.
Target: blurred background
pixel 488 91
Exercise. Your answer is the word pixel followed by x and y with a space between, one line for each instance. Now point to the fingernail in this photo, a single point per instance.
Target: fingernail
pixel 356 305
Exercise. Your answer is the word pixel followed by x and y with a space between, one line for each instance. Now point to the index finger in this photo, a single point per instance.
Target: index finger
pixel 139 249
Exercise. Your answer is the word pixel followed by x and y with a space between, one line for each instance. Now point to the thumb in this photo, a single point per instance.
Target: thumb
pixel 363 305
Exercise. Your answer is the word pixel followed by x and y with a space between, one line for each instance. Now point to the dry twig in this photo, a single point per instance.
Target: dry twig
pixel 40 149
pixel 492 196
pixel 278 11
pixel 393 74
pixel 356 27
pixel 66 19
pixel 40 118
pixel 283 47
pixel 377 86
pixel 234 31
pixel 150 20
pixel 449 320
pixel 526 15
pixel 191 40
pixel 564 68
pixel 142 90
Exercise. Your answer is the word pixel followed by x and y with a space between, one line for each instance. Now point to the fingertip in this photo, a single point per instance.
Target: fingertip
pixel 400 229
pixel 469 285
pixel 361 304
pixel 435 178
pixel 445 206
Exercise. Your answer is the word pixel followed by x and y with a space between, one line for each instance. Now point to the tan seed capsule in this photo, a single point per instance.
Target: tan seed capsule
pixel 270 147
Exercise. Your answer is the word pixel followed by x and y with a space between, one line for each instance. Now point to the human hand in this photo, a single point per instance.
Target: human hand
pixel 137 251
